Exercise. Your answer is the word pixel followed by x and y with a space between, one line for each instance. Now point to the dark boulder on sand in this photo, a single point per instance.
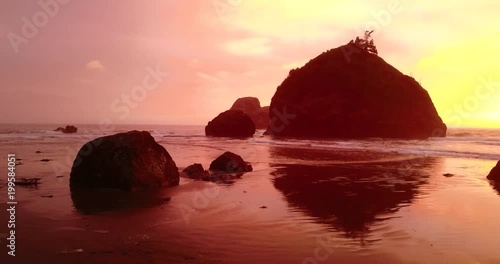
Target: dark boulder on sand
pixel 128 161
pixel 348 92
pixel 68 129
pixel 495 173
pixel 231 123
pixel 230 162
pixel 196 171
pixel 251 107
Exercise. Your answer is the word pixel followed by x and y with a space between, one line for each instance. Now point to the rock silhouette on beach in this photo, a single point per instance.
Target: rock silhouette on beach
pixel 251 107
pixel 196 171
pixel 231 163
pixel 348 92
pixel 231 123
pixel 67 129
pixel 495 173
pixel 128 161
pixel 226 169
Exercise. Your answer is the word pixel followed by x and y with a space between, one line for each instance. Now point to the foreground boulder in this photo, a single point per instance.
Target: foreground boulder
pixel 348 92
pixel 231 163
pixel 251 107
pixel 128 161
pixel 231 123
pixel 68 129
pixel 495 173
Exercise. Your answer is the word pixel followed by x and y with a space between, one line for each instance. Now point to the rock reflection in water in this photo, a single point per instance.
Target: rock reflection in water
pixel 94 201
pixel 495 186
pixel 348 196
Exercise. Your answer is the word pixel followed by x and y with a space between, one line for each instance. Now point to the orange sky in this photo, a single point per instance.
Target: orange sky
pixel 88 57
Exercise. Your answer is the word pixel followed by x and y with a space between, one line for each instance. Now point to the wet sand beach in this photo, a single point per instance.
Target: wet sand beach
pixel 301 204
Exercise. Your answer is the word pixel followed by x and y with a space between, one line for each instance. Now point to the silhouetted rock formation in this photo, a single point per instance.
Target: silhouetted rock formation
pixel 128 161
pixel 231 123
pixel 350 93
pixel 230 162
pixel 246 104
pixel 196 171
pixel 251 107
pixel 68 129
pixel 495 173
pixel 226 172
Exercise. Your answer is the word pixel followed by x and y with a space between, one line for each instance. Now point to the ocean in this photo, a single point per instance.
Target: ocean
pixel 460 142
pixel 306 201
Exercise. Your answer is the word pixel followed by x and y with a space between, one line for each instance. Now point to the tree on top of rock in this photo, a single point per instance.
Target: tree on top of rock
pixel 366 43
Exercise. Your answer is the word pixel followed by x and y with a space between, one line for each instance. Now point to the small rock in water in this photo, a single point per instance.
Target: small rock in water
pixel 60 176
pixel 80 250
pixel 448 175
pixel 27 181
pixel 38 152
pixel 45 160
pixel 263 207
pixel 47 196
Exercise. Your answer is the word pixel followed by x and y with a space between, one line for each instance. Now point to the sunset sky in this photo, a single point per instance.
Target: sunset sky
pixel 88 55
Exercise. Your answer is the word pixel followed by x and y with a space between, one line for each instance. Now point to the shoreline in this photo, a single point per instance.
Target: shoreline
pixel 194 225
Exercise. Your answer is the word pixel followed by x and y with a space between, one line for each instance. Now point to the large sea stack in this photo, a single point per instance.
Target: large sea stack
pixel 129 161
pixel 495 173
pixel 251 107
pixel 349 92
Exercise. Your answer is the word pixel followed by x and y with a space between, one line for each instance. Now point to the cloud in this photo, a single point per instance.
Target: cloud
pixel 292 20
pixel 207 77
pixel 95 65
pixel 248 46
pixel 250 73
pixel 294 64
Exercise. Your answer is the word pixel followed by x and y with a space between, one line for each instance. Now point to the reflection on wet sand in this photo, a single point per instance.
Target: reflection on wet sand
pixel 495 186
pixel 348 196
pixel 94 201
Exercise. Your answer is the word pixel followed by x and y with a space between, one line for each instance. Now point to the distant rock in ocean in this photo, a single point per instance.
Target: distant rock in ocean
pixel 348 92
pixel 128 161
pixel 495 173
pixel 68 129
pixel 231 123
pixel 251 107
